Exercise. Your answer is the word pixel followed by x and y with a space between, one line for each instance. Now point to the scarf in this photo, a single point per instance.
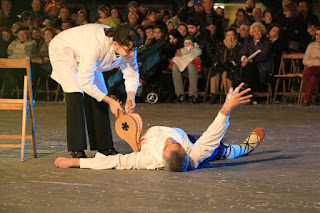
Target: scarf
pixel 230 45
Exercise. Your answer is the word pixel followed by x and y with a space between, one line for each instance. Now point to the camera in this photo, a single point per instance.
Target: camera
pixel 195 1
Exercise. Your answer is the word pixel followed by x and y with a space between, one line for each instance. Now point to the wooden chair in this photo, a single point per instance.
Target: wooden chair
pixel 47 90
pixel 294 74
pixel 20 104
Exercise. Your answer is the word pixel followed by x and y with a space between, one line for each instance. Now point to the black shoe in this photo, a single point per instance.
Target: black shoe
pixel 192 99
pixel 108 152
pixel 179 99
pixel 78 154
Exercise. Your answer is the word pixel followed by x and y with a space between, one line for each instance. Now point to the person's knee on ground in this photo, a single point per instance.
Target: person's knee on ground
pixel 175 158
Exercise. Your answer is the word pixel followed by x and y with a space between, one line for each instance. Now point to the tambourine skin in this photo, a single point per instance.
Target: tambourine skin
pixel 128 128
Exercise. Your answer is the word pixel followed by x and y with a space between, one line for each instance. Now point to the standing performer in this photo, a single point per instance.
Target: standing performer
pixel 78 57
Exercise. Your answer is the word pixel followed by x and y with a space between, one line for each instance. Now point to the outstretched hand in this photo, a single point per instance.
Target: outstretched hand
pixel 235 98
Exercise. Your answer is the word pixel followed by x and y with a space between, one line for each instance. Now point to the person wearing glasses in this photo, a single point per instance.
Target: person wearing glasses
pixel 78 57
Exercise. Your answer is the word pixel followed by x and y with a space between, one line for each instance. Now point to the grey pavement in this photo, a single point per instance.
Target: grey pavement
pixel 281 175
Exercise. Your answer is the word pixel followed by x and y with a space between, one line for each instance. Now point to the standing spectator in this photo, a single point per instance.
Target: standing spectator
pixel 306 14
pixel 267 18
pixel 171 24
pixel 210 20
pixel 255 70
pixel 164 16
pixel 280 17
pixel 10 15
pixel 3 21
pixel 243 33
pixel 226 64
pixel 104 13
pixel 38 15
pixel 141 31
pixel 225 21
pixel 48 34
pixel 5 40
pixel 311 74
pixel 81 18
pixel 250 5
pixel 240 19
pixel 257 14
pixel 133 6
pixel 183 30
pixel 26 19
pixel 151 18
pixel 64 16
pixel 312 27
pixel 132 19
pixel 53 11
pixel 295 31
pixel 189 10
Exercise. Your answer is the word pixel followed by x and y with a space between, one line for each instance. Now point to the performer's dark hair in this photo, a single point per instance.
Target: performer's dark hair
pixel 124 34
pixel 176 162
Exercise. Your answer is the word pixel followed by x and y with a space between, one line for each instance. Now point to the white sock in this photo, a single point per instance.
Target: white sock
pixel 233 151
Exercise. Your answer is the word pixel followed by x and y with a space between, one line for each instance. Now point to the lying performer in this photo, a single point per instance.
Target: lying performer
pixel 171 148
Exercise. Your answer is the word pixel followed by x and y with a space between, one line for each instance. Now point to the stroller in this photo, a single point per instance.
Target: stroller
pixel 147 61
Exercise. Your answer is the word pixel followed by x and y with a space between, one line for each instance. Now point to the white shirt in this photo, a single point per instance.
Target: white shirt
pixel 80 54
pixel 312 55
pixel 150 156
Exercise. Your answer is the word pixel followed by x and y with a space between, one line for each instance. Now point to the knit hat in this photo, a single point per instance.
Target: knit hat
pixel 188 38
pixel 133 4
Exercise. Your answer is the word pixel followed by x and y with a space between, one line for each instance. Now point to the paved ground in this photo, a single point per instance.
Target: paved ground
pixel 281 175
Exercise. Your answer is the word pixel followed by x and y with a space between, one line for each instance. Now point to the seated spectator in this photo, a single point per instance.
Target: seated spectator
pixel 48 34
pixel 306 14
pixel 143 10
pixel 254 71
pixel 279 45
pixel 5 39
pixel 26 19
pixel 240 19
pixel 267 18
pixel 141 31
pixel 257 14
pixel 294 30
pixel 149 34
pixel 35 34
pixel 115 18
pixel 183 30
pixel 132 19
pixel 74 17
pixel 151 18
pixel 23 46
pixel 81 18
pixel 250 6
pixel 54 4
pixel 171 24
pixel 37 13
pixel 243 33
pixel 226 64
pixel 52 9
pixel 11 16
pixel 311 73
pixel 104 13
pixel 66 25
pixel 164 16
pixel 210 20
pixel 186 59
pixel 204 41
pixel 312 27
pixel 14 28
pixel 58 30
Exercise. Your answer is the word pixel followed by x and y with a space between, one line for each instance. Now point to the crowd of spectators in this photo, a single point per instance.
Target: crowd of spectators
pixel 197 31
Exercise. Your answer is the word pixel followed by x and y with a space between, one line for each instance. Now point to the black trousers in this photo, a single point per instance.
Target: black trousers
pixel 81 108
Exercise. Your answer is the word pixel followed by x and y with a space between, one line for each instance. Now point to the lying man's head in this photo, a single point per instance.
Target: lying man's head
pixel 175 158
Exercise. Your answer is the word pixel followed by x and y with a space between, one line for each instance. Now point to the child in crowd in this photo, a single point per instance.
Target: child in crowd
pixel 188 54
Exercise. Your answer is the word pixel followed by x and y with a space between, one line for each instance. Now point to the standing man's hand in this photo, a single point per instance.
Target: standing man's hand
pixel 115 106
pixel 235 98
pixel 130 103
